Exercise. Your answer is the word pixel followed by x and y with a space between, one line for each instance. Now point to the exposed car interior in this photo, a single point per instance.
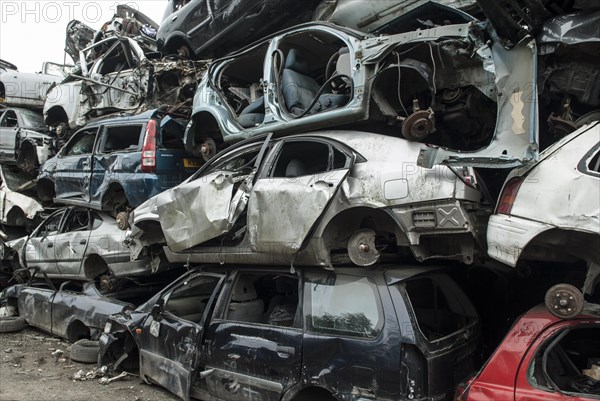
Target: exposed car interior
pixel 564 362
pixel 189 301
pixel 126 137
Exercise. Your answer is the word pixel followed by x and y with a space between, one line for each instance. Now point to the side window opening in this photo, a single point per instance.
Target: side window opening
pixel 190 299
pixel 171 135
pixel 122 138
pixel 10 119
pixel 244 160
pixel 565 362
pixel 594 164
pixel 298 159
pixel 332 306
pixel 240 82
pixel 51 226
pixel 82 144
pixel 440 306
pixel 270 299
pixel 315 73
pixel 72 286
pixel 78 220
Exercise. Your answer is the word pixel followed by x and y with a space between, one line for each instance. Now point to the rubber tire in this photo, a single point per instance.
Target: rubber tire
pixel 11 324
pixel 85 351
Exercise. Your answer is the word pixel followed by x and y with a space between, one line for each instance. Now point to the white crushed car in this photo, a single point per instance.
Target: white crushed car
pixel 550 210
pixel 313 199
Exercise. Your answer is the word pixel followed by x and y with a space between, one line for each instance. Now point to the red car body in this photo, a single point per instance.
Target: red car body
pixel 508 373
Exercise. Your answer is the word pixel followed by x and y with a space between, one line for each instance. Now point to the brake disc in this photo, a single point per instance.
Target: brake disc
pixel 361 248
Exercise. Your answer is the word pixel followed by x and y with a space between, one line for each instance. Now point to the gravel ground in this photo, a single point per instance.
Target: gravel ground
pixel 29 372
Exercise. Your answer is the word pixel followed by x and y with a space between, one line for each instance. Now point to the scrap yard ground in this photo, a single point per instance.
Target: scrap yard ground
pixel 29 372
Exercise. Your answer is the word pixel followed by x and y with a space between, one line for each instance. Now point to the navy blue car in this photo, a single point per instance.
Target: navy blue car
pixel 116 164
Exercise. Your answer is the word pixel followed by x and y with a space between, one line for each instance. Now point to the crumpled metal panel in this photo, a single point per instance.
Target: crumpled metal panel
pixel 571 29
pixel 211 198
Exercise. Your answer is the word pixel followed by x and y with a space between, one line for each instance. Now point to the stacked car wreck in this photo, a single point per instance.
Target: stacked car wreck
pixel 338 189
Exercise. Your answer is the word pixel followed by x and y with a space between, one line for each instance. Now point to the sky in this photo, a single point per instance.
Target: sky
pixel 32 32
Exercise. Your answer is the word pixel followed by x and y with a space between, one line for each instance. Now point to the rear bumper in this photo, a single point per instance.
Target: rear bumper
pixel 507 236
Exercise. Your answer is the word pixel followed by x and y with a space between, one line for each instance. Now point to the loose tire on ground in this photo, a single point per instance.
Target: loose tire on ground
pixel 10 324
pixel 85 351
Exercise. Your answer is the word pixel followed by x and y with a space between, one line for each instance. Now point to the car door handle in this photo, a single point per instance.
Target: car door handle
pixel 85 163
pixel 281 349
pixel 50 245
pixel 82 242
pixel 174 18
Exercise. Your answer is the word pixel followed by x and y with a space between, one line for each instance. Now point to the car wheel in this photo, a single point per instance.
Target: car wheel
pixel 564 301
pixel 11 324
pixel 361 248
pixel 62 130
pixel 122 219
pixel 183 51
pixel 85 351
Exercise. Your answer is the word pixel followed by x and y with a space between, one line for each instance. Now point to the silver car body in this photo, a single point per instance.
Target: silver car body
pixel 22 89
pixel 368 16
pixel 556 209
pixel 80 244
pixel 503 80
pixel 263 214
pixel 116 78
pixel 16 208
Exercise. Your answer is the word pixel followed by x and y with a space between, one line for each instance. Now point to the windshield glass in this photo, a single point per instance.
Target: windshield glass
pixel 15 180
pixel 31 119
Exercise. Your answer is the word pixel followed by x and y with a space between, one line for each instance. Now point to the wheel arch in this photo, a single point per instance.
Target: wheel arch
pixel 113 188
pixel 308 393
pixel 94 265
pixel 77 330
pixel 56 115
pixel 204 125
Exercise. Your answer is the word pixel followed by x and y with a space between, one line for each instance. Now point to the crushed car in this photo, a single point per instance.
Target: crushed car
pixel 25 139
pixel 115 75
pixel 79 244
pixel 126 22
pixel 549 210
pixel 22 89
pixel 18 205
pixel 266 333
pixel 198 28
pixel 542 357
pixel 116 164
pixel 450 86
pixel 316 199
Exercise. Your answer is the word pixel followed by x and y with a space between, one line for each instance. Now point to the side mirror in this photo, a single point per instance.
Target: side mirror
pixel 157 308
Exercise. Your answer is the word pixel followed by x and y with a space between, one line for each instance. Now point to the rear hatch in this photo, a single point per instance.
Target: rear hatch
pixel 173 163
pixel 446 332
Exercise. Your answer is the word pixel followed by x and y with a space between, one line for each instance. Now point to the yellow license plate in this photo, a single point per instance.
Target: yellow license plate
pixel 192 163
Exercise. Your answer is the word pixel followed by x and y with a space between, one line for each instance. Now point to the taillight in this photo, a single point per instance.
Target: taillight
pixel 509 193
pixel 149 148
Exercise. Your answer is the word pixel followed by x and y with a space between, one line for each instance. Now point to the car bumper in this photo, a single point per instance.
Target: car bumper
pixel 507 236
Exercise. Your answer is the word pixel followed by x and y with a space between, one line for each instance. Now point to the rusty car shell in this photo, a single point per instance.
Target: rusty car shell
pixel 115 76
pixel 73 311
pixel 567 223
pixel 79 244
pixel 217 357
pixel 482 100
pixel 17 206
pixel 259 214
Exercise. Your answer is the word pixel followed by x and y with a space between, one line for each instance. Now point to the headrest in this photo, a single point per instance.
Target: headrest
pixel 295 61
pixel 295 168
pixel 244 290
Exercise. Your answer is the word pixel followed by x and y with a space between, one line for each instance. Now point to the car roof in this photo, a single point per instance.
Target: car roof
pixel 123 119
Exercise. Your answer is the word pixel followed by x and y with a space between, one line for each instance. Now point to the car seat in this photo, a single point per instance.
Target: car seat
pixel 253 114
pixel 300 90
pixel 245 306
pixel 282 306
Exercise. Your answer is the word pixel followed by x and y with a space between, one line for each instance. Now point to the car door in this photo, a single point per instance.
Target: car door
pixel 39 250
pixel 251 355
pixel 74 166
pixel 35 305
pixel 9 127
pixel 174 330
pixel 209 204
pixel 299 181
pixel 72 241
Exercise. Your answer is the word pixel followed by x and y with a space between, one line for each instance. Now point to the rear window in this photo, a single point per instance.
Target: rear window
pixel 440 306
pixel 344 305
pixel 172 134
pixel 122 138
